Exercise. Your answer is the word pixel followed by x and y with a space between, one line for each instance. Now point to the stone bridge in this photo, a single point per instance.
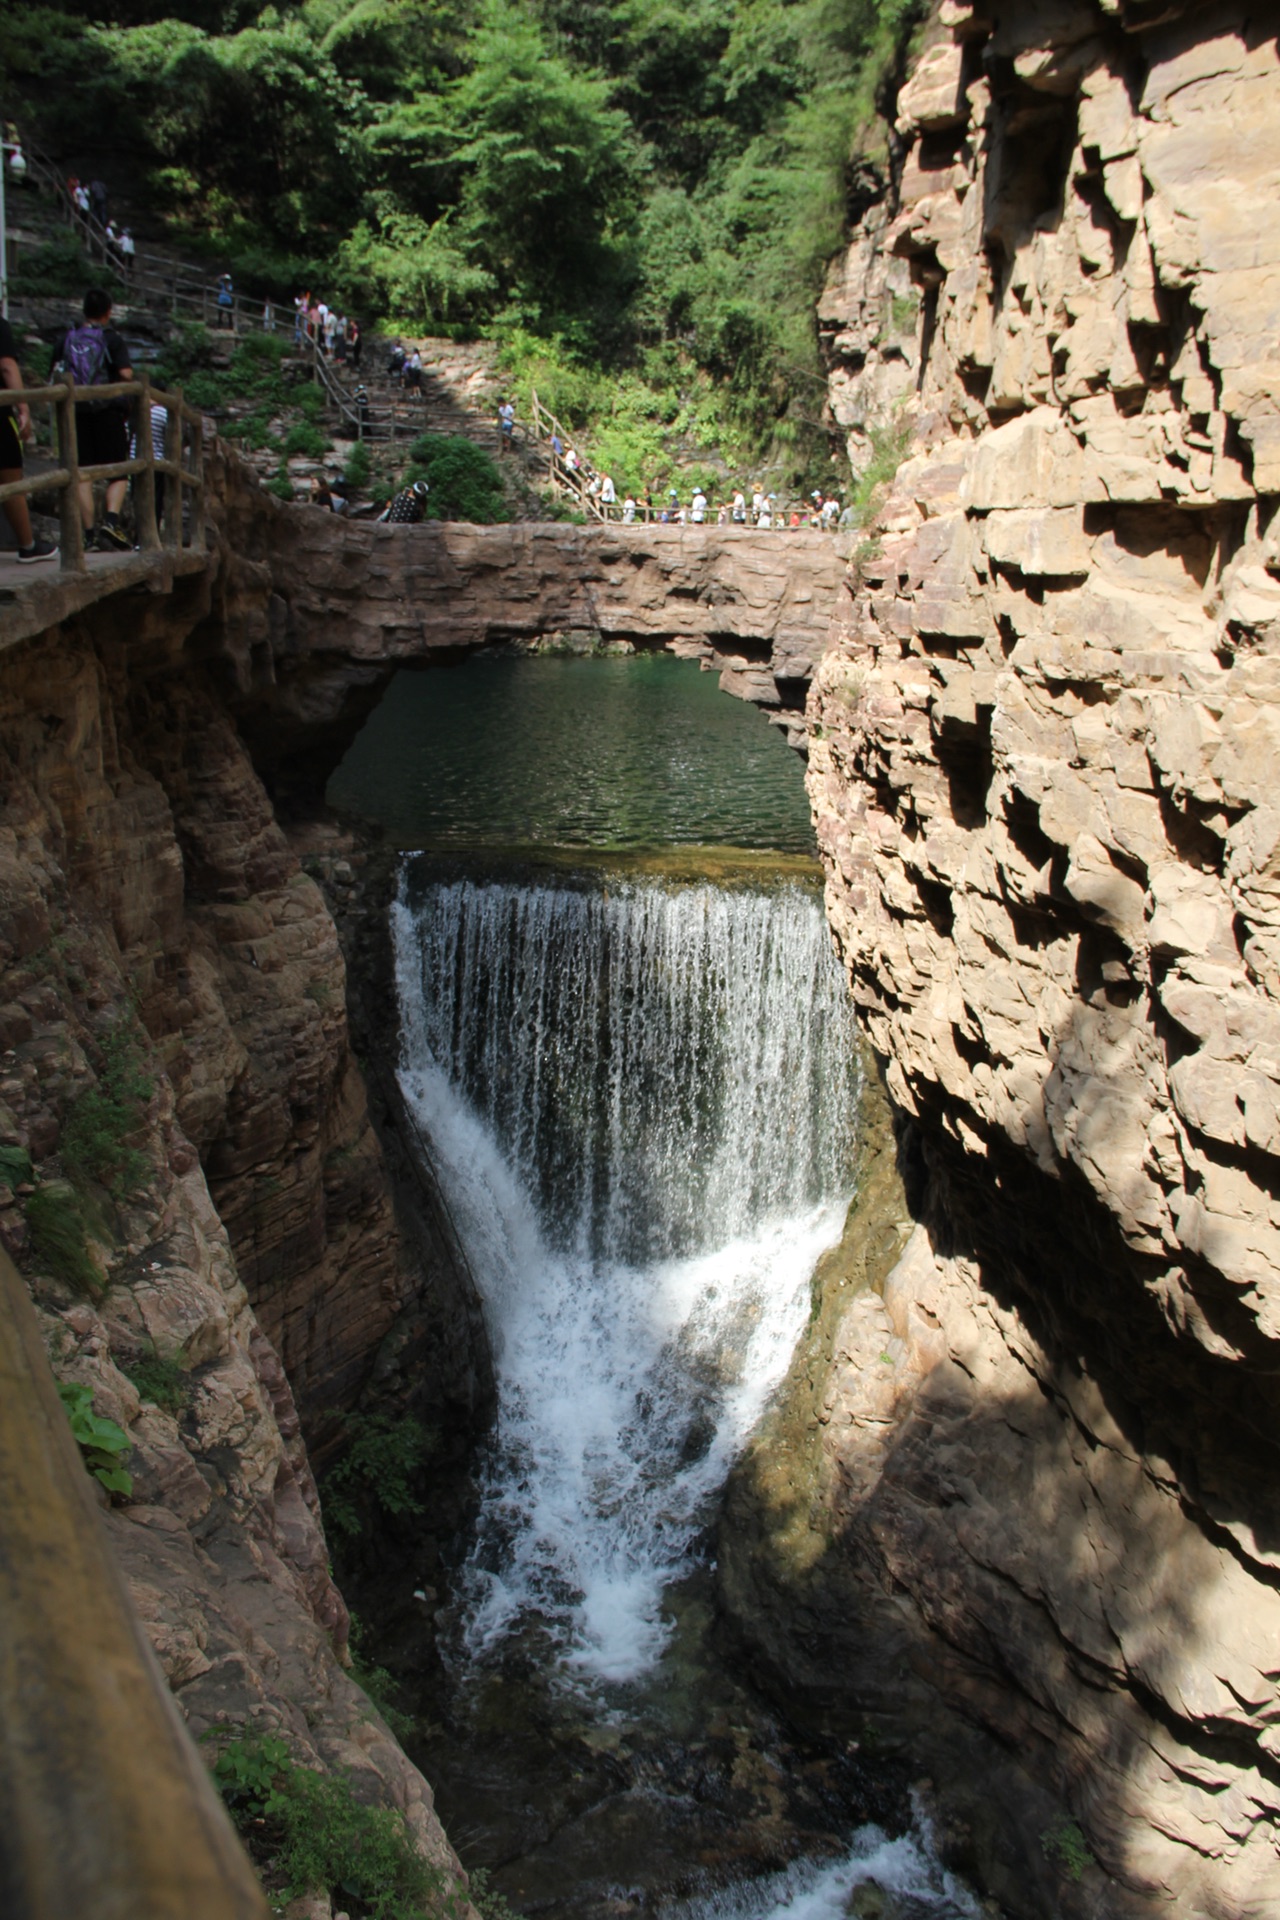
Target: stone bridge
pixel 313 621
pixel 307 615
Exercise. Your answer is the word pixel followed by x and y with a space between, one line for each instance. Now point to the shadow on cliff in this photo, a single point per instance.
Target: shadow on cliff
pixel 1008 1571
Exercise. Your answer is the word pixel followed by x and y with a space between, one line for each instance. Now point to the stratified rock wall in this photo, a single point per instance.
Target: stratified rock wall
pixel 1043 763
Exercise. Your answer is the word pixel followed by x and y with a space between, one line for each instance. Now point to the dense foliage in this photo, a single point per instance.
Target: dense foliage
pixel 635 184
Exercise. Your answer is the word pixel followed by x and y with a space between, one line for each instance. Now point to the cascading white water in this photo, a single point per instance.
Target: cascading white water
pixel 641 1102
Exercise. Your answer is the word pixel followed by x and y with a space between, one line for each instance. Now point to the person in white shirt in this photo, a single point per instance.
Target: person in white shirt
pixel 757 505
pixel 607 494
pixel 765 518
pixel 628 511
pixel 739 509
pixel 698 507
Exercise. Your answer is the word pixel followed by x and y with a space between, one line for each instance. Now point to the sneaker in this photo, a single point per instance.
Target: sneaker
pixel 112 538
pixel 89 540
pixel 39 550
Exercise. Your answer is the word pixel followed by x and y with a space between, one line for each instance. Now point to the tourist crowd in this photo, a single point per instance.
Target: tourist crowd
pixel 598 490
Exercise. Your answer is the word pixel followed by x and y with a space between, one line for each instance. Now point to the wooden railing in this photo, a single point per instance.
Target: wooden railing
pixel 180 523
pixel 109 1811
pixel 564 479
pixel 182 290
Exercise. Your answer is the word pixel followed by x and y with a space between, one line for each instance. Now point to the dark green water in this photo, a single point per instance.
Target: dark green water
pixel 635 751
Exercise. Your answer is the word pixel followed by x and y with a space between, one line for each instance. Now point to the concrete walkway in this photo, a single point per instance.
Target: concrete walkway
pixel 38 596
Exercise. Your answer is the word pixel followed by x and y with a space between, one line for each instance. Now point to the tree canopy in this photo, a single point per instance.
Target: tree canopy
pixel 634 182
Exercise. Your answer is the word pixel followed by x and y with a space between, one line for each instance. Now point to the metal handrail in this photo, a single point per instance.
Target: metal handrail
pixel 153 535
pixel 108 1808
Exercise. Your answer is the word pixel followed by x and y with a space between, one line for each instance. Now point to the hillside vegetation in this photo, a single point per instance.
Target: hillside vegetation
pixel 636 197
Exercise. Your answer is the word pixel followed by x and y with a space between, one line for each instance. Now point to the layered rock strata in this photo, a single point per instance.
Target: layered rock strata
pixel 1042 759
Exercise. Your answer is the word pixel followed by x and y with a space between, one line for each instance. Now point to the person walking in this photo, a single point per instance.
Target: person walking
pixel 506 425
pixel 226 302
pixel 95 356
pixel 98 201
pixel 698 507
pixel 15 430
pixel 355 340
pixel 128 253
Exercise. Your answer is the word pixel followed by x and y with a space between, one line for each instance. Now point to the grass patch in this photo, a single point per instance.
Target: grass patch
pixel 60 1237
pixel 161 1380
pixel 888 451
pixel 15 1166
pixel 95 1144
pixel 1064 1845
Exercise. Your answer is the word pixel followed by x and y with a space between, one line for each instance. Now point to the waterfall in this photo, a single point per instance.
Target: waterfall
pixel 641 1100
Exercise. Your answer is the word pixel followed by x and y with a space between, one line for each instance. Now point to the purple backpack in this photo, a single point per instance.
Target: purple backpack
pixel 84 355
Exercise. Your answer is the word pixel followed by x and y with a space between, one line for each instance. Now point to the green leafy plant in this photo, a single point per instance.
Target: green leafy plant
pixel 160 1379
pixel 384 1454
pixel 486 1900
pixel 323 1839
pixel 59 1231
pixel 101 1442
pixel 1063 1844
pixel 95 1134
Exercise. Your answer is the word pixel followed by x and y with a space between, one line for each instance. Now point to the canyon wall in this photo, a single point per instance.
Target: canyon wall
pixel 1032 1472
pixel 173 1033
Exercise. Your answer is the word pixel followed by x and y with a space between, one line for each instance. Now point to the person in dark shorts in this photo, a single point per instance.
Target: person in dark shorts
pixel 15 427
pixel 95 355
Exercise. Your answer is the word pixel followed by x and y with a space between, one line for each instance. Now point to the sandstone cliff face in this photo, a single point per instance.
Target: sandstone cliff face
pixel 147 892
pixel 1043 759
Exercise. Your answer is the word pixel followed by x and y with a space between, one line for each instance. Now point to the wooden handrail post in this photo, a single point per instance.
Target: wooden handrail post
pixel 171 517
pixel 145 482
pixel 109 1809
pixel 70 524
pixel 198 504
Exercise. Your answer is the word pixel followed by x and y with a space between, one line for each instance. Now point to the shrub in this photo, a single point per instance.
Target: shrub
pixel 384 1454
pixel 94 1143
pixel 323 1839
pixel 101 1442
pixel 305 439
pixel 60 1237
pixel 356 471
pixel 1064 1845
pixel 464 479
pixel 162 1381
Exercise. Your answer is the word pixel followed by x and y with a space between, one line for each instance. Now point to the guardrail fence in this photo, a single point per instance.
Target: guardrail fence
pixel 180 523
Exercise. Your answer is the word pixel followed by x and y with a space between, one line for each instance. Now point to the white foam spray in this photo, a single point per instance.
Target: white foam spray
pixel 641 1103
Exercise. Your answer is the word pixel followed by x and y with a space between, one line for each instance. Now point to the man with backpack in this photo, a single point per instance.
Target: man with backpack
pixel 95 356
